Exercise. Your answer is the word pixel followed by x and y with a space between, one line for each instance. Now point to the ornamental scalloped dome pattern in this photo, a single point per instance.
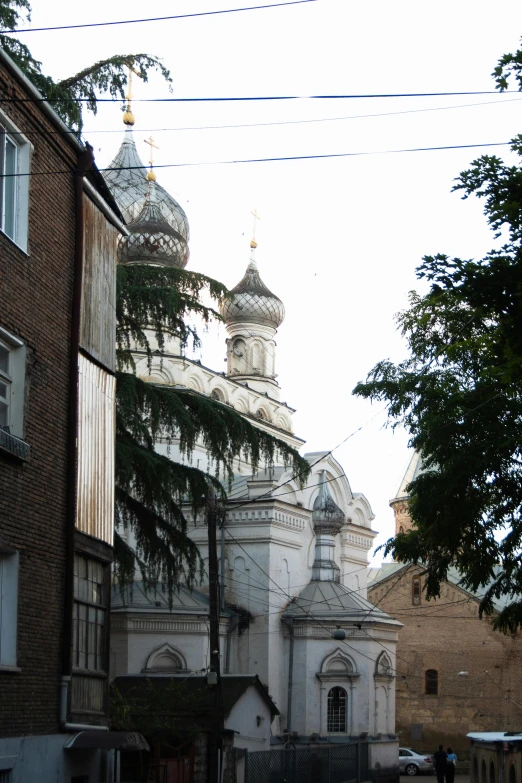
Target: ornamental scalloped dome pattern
pixel 126 179
pixel 152 240
pixel 327 517
pixel 253 302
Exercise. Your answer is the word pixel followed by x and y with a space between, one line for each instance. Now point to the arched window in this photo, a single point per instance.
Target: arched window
pixel 416 590
pixel 336 723
pixel 475 771
pixel 512 774
pixel 491 772
pixel 401 530
pixel 217 394
pixel 432 683
pixel 483 772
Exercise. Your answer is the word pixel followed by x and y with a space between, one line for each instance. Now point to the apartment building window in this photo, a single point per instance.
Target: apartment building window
pixel 8 607
pixel 15 153
pixel 12 393
pixel 90 615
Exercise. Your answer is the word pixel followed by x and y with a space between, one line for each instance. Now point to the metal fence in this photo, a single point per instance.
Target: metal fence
pixel 333 764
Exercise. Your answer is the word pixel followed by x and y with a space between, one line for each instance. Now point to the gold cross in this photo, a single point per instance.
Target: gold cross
pixel 151 176
pixel 256 218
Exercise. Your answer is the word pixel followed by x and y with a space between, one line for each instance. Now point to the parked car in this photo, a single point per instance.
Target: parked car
pixel 413 763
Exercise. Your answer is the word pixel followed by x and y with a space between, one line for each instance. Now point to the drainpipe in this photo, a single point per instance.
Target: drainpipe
pixel 64 694
pixel 290 623
pixel 85 161
pixel 232 625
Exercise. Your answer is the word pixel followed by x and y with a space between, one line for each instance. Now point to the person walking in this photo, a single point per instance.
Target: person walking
pixel 440 758
pixel 451 760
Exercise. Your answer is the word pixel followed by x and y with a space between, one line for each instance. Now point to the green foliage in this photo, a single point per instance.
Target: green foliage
pixel 150 487
pixel 158 713
pixel 459 396
pixel 71 96
pixel 508 65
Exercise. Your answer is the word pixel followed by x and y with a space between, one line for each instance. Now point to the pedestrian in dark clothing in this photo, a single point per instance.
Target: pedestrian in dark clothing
pixel 440 758
pixel 450 765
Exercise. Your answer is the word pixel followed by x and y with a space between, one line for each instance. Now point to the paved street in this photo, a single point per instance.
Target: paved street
pixel 433 778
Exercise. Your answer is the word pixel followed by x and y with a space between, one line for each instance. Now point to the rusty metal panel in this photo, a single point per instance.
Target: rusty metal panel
pixel 96 428
pixel 98 311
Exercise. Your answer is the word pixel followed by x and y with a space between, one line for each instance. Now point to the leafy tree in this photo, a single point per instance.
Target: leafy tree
pixel 459 395
pixel 151 489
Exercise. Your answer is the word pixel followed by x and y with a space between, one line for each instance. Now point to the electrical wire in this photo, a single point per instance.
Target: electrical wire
pixel 153 19
pixel 286 158
pixel 262 98
pixel 92 132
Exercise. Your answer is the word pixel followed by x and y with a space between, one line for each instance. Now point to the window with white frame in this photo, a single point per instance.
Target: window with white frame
pixel 12 385
pixel 8 607
pixel 15 153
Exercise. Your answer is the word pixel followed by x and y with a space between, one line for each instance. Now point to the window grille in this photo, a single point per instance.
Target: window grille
pixel 336 723
pixel 432 682
pixel 90 611
pixel 5 776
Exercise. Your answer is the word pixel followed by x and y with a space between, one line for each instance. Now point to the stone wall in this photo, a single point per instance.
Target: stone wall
pixel 447 636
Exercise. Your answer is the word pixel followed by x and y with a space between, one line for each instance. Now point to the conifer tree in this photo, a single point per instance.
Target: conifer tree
pixel 151 489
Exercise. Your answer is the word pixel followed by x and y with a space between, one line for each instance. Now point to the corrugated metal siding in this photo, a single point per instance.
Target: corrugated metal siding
pixel 98 314
pixel 96 423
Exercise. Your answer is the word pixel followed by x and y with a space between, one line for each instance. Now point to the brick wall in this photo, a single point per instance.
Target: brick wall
pixel 448 636
pixel 35 305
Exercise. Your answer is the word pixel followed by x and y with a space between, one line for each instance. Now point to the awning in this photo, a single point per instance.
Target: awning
pixel 108 740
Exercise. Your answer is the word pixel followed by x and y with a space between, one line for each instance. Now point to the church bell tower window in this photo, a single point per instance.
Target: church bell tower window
pixel 336 723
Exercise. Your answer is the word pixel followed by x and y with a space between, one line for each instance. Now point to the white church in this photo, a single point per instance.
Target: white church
pixel 294 560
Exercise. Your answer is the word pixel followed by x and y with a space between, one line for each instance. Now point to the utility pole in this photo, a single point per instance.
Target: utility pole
pixel 215 749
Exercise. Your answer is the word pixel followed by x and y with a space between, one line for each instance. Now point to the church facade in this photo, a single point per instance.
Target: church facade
pixel 293 559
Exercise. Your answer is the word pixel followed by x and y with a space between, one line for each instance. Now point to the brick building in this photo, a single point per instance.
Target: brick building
pixel 455 674
pixel 58 234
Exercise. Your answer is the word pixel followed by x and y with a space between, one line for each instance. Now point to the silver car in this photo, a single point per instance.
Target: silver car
pixel 413 763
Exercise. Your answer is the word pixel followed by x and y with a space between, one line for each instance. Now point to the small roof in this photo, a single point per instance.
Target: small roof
pixel 333 601
pixel 138 599
pixel 495 736
pixel 200 700
pixel 108 740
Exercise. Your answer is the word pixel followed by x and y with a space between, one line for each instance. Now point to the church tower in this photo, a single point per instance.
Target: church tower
pixel 252 318
pixel 400 503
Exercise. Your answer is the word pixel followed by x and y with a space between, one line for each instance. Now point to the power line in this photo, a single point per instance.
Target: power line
pixel 254 98
pixel 264 160
pixel 92 132
pixel 154 18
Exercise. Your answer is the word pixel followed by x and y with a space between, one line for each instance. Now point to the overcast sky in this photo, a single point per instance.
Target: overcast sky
pixel 339 238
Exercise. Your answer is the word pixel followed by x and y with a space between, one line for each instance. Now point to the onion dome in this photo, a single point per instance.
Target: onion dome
pixel 327 517
pixel 253 302
pixel 151 239
pixel 126 177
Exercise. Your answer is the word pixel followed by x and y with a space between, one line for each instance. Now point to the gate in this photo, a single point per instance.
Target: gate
pixel 333 764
